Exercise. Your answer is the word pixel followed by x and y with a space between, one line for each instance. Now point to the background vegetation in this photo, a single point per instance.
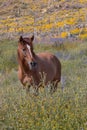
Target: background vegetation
pixel 55 18
pixel 66 109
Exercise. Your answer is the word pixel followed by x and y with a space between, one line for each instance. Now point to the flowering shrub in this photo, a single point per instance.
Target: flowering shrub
pixel 83 36
pixel 64 34
pixel 75 31
pixel 29 19
pixel 70 21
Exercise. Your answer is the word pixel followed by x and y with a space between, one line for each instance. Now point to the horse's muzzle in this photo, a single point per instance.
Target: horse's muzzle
pixel 32 65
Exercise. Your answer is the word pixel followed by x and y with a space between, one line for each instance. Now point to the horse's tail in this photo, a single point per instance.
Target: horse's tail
pixel 58 71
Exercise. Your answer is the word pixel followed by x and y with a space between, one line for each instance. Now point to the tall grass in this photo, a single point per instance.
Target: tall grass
pixel 66 109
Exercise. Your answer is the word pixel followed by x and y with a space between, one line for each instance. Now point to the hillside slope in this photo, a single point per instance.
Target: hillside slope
pixel 56 18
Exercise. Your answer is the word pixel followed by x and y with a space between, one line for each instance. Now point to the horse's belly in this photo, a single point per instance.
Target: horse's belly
pixel 49 71
pixel 50 65
pixel 51 74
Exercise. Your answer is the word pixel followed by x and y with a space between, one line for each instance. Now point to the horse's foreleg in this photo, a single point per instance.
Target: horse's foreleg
pixel 27 88
pixel 36 84
pixel 27 83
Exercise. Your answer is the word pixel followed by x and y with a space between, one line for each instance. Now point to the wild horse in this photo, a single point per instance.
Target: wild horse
pixel 32 65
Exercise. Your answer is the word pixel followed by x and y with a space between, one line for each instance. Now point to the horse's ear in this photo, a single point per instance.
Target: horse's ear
pixel 21 39
pixel 32 38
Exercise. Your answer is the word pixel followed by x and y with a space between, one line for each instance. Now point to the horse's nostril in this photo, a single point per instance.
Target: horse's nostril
pixel 33 64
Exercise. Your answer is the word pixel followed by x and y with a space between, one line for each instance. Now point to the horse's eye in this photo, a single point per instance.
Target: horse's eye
pixel 24 51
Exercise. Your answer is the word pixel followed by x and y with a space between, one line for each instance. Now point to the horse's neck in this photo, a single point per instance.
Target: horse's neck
pixel 21 67
pixel 21 64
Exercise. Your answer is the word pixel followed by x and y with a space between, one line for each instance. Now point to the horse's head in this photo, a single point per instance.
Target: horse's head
pixel 25 51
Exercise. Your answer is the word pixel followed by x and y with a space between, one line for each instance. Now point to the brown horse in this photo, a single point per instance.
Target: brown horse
pixel 32 65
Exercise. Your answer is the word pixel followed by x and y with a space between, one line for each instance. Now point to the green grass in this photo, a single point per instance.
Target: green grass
pixel 66 109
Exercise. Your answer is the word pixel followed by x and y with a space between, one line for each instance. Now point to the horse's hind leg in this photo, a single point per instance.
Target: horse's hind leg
pixel 54 86
pixel 51 88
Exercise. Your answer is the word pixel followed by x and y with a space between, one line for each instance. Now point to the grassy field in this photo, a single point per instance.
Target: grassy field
pixel 66 109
